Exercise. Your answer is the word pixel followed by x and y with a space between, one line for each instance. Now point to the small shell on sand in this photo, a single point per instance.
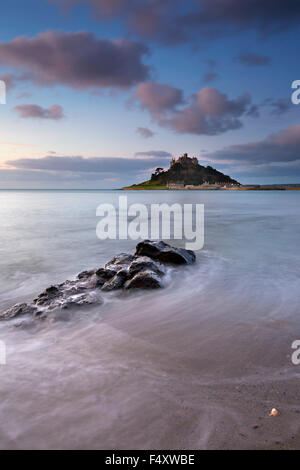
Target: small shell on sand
pixel 274 412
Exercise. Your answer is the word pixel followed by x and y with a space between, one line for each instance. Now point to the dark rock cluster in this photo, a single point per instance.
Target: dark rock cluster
pixel 143 270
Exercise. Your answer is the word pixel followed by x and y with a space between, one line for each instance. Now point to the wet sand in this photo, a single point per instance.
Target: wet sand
pixel 143 379
pixel 197 365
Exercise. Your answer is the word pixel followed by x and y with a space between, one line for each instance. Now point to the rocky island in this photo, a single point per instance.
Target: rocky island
pixel 187 173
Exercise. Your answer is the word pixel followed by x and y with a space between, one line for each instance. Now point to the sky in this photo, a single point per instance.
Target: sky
pixel 101 92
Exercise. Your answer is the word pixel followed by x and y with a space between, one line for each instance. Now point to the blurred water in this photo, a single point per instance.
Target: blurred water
pixel 112 376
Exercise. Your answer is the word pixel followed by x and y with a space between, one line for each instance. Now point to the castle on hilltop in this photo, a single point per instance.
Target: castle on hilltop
pixel 186 173
pixel 184 161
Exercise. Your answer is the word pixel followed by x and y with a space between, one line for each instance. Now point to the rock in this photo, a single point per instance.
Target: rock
pixel 91 283
pixel 86 274
pixel 105 274
pixel 143 263
pixel 117 282
pixel 18 310
pixel 120 262
pixel 91 279
pixel 88 298
pixel 46 297
pixel 146 279
pixel 70 293
pixel 141 271
pixel 161 251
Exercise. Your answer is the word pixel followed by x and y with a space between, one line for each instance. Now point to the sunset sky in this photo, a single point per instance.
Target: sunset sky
pixel 101 92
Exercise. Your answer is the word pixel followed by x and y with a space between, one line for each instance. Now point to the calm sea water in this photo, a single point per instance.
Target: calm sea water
pixel 132 373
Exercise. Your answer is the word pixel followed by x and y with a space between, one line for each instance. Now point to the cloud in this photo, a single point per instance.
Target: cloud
pixel 80 164
pixel 101 7
pixel 211 73
pixel 146 18
pixel 169 23
pixel 145 132
pixel 154 19
pixel 78 60
pixel 253 111
pixel 15 178
pixel 209 111
pixel 54 112
pixel 158 97
pixel 154 153
pixel 253 59
pixel 209 77
pixel 280 106
pixel 282 147
pixel 215 18
pixel 24 94
pixel 9 80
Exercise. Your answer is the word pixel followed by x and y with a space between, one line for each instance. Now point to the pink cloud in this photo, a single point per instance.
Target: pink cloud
pixel 54 112
pixel 158 97
pixel 208 112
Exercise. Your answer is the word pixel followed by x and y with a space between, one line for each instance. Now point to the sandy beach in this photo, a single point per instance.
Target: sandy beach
pixel 196 365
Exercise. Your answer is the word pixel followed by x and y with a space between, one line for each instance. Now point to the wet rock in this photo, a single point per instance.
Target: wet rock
pixel 46 297
pixel 141 271
pixel 120 262
pixel 117 282
pixel 105 274
pixel 91 279
pixel 88 298
pixel 85 275
pixel 161 251
pixel 67 301
pixel 91 283
pixel 144 280
pixel 69 293
pixel 17 310
pixel 143 263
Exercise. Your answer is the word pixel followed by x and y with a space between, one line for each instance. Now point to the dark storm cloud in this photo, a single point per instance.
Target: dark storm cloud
pixel 208 112
pixel 253 59
pixel 78 60
pixel 88 165
pixel 54 112
pixel 166 21
pixel 281 147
